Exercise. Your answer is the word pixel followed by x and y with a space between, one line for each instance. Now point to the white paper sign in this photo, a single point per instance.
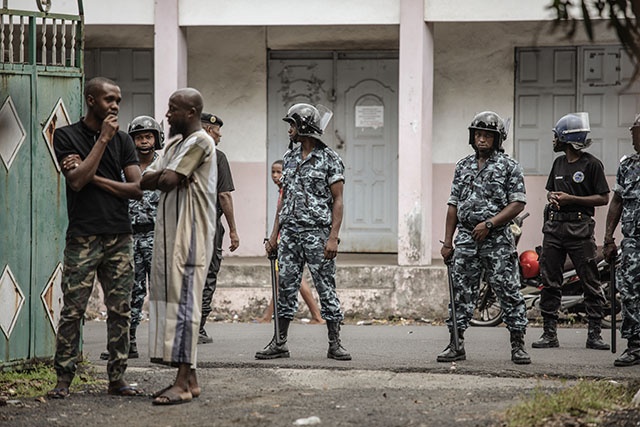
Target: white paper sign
pixel 369 116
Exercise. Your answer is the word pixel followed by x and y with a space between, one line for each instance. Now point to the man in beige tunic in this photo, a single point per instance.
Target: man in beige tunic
pixel 182 251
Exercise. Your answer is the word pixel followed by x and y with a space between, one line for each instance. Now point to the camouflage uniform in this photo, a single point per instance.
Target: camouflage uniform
pixel 479 195
pixel 143 216
pixel 305 223
pixel 110 256
pixel 628 276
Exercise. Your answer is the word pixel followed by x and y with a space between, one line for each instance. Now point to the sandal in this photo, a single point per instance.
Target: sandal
pixel 125 390
pixel 171 397
pixel 58 393
pixel 195 392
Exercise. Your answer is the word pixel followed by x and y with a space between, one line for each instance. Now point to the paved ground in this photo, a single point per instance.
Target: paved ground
pixel 393 380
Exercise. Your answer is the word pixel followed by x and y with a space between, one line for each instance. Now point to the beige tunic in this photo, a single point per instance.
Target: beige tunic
pixel 182 250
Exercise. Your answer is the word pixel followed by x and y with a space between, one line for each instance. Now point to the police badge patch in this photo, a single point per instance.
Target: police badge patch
pixel 578 177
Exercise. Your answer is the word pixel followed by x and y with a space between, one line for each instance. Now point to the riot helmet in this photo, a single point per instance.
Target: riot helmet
pixel 308 120
pixel 147 124
pixel 491 122
pixel 573 129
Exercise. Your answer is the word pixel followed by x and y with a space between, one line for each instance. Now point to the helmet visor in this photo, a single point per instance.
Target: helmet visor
pixel 579 122
pixel 325 117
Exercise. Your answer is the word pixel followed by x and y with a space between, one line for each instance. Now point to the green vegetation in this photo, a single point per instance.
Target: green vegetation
pixel 586 401
pixel 39 379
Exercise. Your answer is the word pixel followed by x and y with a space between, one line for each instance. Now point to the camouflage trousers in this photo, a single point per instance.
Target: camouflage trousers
pixel 295 249
pixel 111 258
pixel 628 282
pixel 499 265
pixel 142 252
pixel 210 283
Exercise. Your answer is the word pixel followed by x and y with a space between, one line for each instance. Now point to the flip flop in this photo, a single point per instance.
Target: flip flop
pixel 125 390
pixel 170 397
pixel 58 393
pixel 195 392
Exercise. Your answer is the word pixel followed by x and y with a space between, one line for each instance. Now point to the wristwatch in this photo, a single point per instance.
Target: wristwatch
pixel 488 224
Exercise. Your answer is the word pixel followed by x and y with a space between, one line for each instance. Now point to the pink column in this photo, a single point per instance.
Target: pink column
pixel 415 138
pixel 170 54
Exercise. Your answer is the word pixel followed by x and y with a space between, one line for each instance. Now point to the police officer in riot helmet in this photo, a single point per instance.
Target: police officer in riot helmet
pixel 308 222
pixel 486 194
pixel 576 185
pixel 148 137
pixel 625 209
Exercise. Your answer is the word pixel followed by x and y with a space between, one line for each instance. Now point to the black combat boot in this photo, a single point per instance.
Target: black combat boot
pixel 133 345
pixel 631 355
pixel 275 349
pixel 594 340
pixel 336 350
pixel 203 338
pixel 518 354
pixel 549 336
pixel 450 354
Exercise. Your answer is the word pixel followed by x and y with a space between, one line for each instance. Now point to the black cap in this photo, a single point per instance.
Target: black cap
pixel 211 119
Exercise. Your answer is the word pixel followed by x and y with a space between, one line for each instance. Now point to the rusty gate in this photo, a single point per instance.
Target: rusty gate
pixel 41 78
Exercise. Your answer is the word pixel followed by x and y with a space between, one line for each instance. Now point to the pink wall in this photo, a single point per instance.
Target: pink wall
pixel 536 199
pixel 249 206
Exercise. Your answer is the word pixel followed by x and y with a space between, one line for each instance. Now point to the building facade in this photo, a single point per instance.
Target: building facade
pixel 404 78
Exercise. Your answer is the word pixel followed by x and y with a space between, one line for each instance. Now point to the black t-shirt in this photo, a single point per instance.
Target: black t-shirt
pixel 584 177
pixel 225 180
pixel 93 211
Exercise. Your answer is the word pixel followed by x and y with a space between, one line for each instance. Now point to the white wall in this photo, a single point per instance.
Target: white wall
pixel 289 12
pixel 474 71
pixel 101 12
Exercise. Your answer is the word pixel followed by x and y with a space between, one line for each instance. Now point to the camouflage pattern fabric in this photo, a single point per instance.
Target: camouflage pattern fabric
pixel 111 257
pixel 307 201
pixel 499 265
pixel 305 223
pixel 142 253
pixel 143 214
pixel 294 250
pixel 628 275
pixel 478 195
pixel 481 194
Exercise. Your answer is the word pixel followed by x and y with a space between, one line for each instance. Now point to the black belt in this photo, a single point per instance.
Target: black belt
pixel 143 228
pixel 568 216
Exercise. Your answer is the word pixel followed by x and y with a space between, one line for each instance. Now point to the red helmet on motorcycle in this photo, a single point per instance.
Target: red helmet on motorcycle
pixel 529 264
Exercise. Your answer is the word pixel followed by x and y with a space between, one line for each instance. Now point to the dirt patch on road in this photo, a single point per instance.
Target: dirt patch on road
pixel 272 396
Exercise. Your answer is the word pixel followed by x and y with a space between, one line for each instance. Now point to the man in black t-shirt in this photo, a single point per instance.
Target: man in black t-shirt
pixel 212 124
pixel 94 153
pixel 576 185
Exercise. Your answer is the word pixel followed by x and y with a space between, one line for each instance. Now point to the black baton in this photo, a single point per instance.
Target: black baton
pixel 452 297
pixel 273 257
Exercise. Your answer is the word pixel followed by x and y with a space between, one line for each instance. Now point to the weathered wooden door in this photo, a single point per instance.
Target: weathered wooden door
pixel 361 89
pixel 41 89
pixel 553 81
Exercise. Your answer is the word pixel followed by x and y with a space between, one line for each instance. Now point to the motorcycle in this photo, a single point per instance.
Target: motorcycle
pixel 488 311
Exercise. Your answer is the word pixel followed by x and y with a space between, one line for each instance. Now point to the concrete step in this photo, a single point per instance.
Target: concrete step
pixel 368 286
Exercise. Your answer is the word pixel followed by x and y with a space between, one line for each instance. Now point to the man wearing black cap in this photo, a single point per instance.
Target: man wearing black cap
pixel 212 124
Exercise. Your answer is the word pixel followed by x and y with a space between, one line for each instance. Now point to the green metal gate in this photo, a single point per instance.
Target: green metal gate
pixel 41 79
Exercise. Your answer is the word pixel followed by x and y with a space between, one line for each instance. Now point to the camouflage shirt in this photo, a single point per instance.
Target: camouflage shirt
pixel 481 194
pixel 307 201
pixel 144 211
pixel 628 188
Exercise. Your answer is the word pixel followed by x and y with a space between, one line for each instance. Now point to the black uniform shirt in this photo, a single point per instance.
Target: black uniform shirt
pixel 584 177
